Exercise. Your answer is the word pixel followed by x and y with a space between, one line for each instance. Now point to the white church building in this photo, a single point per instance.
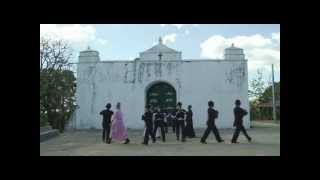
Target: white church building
pixel 160 76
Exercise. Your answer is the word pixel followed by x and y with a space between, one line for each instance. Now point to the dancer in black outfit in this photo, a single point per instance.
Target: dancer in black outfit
pixel 180 123
pixel 189 127
pixel 159 122
pixel 106 123
pixel 147 117
pixel 238 122
pixel 165 121
pixel 171 118
pixel 212 115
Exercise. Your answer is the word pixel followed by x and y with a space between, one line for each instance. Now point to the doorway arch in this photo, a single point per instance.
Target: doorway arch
pixel 163 94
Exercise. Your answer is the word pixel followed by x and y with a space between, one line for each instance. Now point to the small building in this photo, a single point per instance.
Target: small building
pixel 160 76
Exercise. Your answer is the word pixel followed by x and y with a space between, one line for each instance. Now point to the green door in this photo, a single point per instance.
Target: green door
pixel 164 95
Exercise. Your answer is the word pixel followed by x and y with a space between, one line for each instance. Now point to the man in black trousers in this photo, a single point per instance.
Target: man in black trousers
pixel 238 122
pixel 212 115
pixel 147 117
pixel 159 122
pixel 172 120
pixel 165 120
pixel 180 122
pixel 106 123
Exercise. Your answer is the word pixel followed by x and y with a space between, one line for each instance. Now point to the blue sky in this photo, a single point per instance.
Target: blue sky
pixel 261 42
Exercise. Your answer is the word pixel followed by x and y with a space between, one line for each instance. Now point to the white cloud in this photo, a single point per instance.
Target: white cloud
pixel 76 34
pixel 175 25
pixel 179 26
pixel 259 50
pixel 187 32
pixel 248 42
pixel 276 36
pixel 213 47
pixel 169 38
pixel 79 36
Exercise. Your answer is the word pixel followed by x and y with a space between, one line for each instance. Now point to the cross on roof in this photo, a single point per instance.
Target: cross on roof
pixel 160 55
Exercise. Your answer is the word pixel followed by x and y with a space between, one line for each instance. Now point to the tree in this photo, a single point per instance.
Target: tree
pixel 259 94
pixel 54 54
pixel 257 86
pixel 57 83
pixel 266 96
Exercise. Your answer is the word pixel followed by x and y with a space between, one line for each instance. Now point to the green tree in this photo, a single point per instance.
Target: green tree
pixel 254 110
pixel 57 83
pixel 256 89
pixel 257 86
pixel 266 96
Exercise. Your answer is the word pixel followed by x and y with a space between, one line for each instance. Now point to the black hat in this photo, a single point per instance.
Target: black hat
pixel 108 105
pixel 238 102
pixel 210 103
pixel 179 104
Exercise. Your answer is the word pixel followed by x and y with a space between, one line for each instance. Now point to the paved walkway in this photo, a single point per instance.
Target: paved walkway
pixel 266 142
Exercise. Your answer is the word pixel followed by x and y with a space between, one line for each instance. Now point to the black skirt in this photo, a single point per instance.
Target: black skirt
pixel 189 131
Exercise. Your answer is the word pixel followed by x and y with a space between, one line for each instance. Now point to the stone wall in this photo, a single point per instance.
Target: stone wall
pixel 195 81
pixel 166 56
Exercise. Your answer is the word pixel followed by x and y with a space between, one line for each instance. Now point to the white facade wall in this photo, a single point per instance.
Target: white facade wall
pixel 195 81
pixel 166 56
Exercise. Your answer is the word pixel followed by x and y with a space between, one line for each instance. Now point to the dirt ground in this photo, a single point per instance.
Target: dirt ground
pixel 265 135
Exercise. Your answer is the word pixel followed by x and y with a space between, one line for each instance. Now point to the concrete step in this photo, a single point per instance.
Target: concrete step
pixel 48 134
pixel 45 128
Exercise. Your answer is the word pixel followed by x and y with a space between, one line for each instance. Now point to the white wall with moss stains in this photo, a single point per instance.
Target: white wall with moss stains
pixel 196 82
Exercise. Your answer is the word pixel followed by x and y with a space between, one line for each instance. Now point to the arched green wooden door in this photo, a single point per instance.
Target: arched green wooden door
pixel 162 94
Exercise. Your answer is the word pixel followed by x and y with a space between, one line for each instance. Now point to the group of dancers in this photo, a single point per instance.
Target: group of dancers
pixel 154 118
pixel 181 120
pixel 114 122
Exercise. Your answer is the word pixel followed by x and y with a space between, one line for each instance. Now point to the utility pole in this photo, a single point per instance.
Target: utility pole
pixel 273 98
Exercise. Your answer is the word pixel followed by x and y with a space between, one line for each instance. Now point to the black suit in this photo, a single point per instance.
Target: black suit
pixel 171 120
pixel 180 124
pixel 238 123
pixel 159 122
pixel 106 124
pixel 147 117
pixel 212 115
pixel 189 131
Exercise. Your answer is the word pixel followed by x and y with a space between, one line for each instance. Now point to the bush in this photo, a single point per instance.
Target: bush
pixel 57 91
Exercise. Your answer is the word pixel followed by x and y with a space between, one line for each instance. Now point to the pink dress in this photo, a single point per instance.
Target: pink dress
pixel 118 130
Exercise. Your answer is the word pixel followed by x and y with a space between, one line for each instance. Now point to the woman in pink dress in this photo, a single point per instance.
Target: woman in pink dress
pixel 118 130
